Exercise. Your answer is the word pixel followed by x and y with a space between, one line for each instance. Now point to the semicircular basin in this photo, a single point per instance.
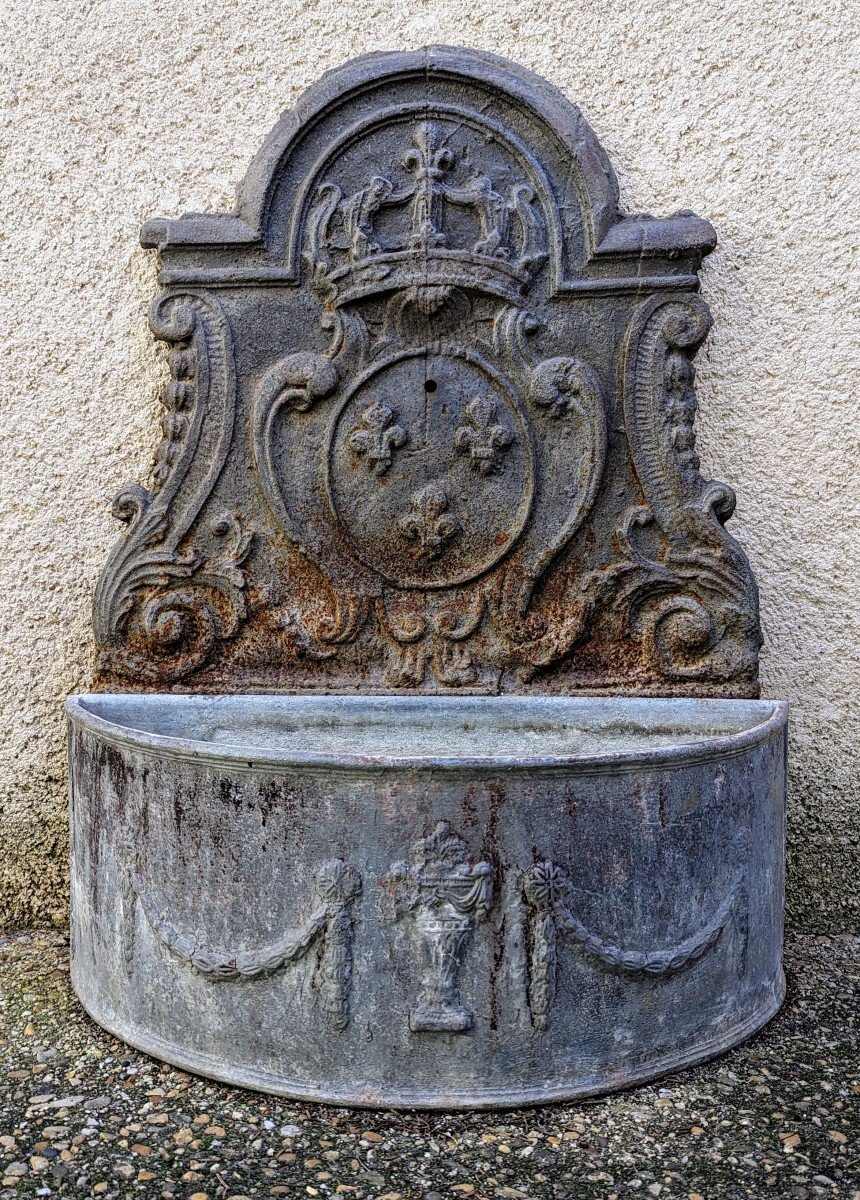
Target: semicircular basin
pixel 406 901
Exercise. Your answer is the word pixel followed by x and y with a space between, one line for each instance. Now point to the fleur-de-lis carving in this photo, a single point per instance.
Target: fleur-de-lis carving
pixel 429 525
pixel 483 439
pixel 376 435
pixel 429 160
pixel 430 153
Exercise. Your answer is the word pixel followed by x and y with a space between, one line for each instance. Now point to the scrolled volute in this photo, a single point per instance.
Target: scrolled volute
pixel 690 596
pixel 163 602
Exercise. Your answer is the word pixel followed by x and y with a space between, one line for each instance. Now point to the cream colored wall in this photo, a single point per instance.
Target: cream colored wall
pixel 123 109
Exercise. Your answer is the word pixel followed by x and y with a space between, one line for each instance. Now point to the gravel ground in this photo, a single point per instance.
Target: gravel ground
pixel 83 1115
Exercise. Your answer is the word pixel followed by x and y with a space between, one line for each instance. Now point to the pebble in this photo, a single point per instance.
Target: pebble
pixel 66 1102
pixel 772 1119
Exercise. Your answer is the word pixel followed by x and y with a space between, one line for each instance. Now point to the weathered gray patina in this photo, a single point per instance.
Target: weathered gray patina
pixel 409 901
pixel 429 438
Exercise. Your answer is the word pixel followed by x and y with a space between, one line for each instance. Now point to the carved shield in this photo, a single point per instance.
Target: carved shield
pixel 431 418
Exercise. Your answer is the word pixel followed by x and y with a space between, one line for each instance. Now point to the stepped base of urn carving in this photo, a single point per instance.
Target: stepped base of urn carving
pixel 409 902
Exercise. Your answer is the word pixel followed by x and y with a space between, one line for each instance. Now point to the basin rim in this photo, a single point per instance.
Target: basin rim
pixel 250 758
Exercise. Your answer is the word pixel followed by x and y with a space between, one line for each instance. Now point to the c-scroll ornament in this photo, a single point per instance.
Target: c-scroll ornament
pixel 695 606
pixel 163 602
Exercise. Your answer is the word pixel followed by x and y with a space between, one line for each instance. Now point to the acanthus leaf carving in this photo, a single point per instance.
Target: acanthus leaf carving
pixel 438 639
pixel 561 385
pixel 299 381
pixel 160 609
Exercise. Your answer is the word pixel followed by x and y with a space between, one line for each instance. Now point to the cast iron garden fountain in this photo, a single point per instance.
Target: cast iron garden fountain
pixel 427 767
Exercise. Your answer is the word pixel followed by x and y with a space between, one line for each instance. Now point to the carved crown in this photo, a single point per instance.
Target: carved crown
pixel 431 418
pixel 442 224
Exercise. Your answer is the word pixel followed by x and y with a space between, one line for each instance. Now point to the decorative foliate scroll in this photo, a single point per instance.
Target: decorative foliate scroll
pixel 430 422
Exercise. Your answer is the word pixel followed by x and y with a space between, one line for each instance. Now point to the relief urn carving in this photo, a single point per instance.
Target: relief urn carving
pixel 447 896
pixel 426 765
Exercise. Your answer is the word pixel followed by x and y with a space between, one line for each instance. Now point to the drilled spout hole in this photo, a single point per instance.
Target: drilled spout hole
pixel 430 385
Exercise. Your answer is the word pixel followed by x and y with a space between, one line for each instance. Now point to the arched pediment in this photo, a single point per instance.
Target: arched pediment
pixel 431 416
pixel 505 106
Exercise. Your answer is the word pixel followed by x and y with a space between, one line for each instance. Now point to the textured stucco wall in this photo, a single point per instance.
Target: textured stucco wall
pixel 118 110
